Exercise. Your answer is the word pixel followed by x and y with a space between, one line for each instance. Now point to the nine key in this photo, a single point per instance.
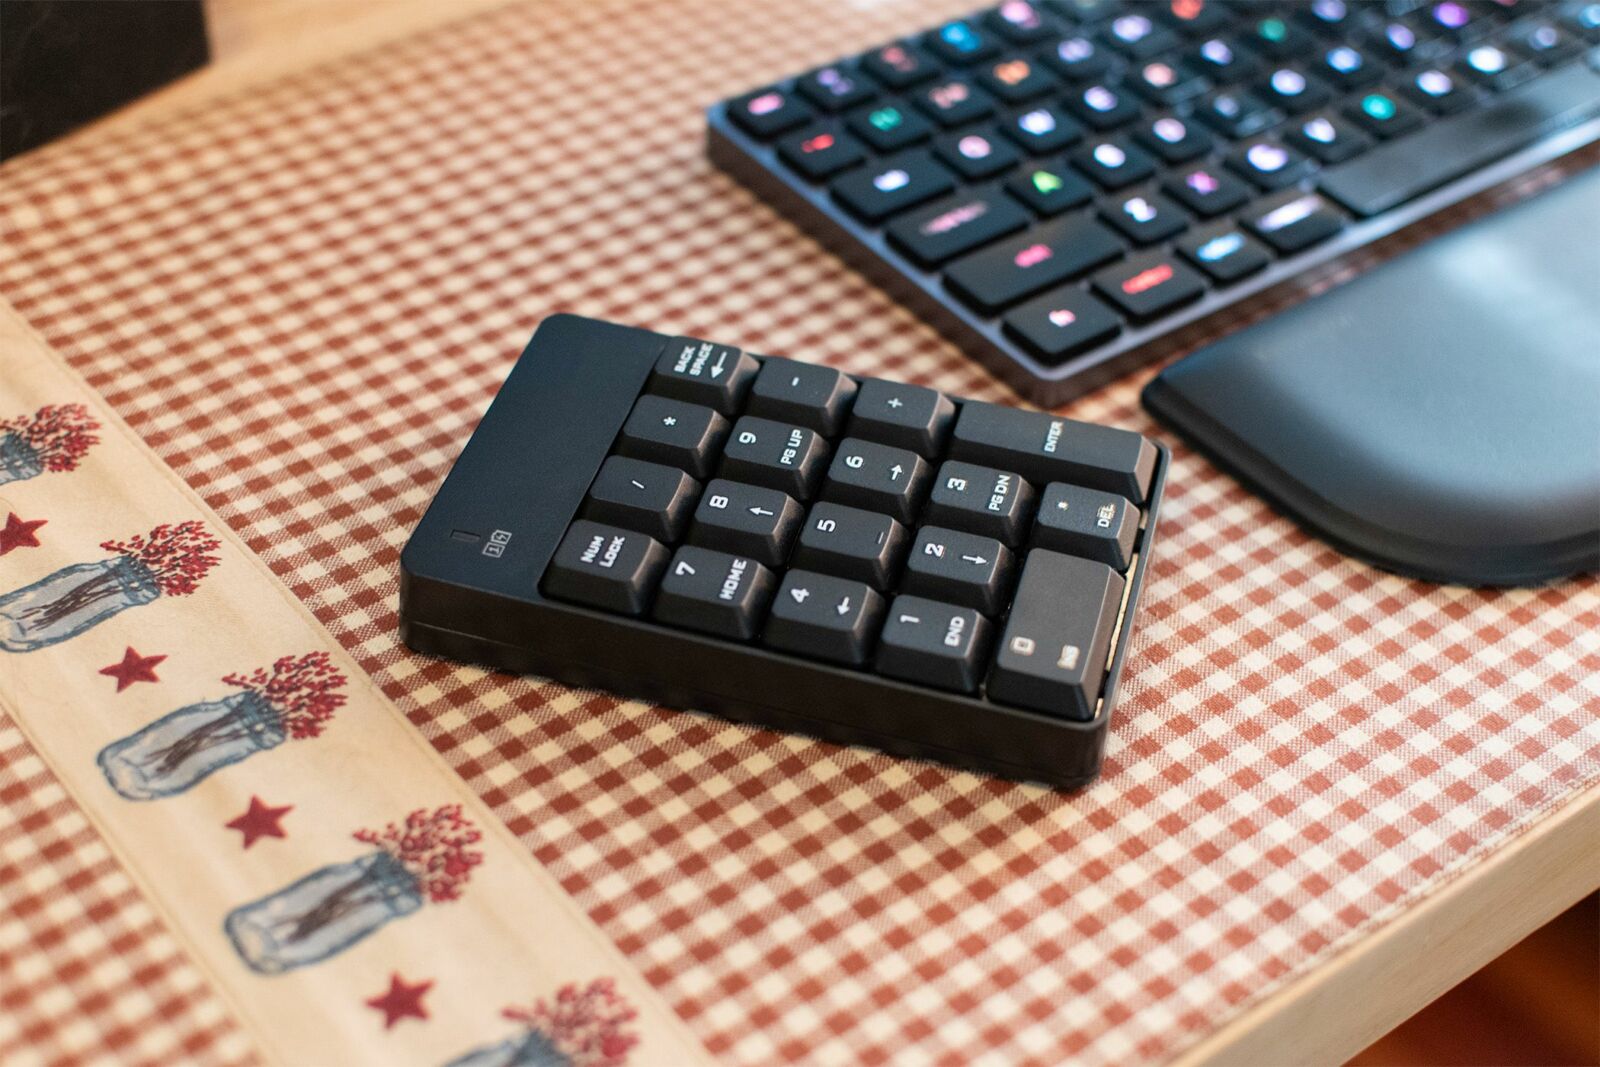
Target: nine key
pixel 642 496
pixel 824 617
pixel 851 543
pixel 1053 654
pixel 876 477
pixel 714 592
pixel 605 567
pixel 981 500
pixel 776 455
pixel 746 520
pixel 933 643
pixel 802 392
pixel 672 432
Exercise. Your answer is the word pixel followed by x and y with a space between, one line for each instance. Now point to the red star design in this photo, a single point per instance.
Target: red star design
pixel 402 1001
pixel 133 668
pixel 19 534
pixel 262 820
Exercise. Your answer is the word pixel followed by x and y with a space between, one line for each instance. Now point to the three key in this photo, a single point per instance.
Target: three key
pixel 982 500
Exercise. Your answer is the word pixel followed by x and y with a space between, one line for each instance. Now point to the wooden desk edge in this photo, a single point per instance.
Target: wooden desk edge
pixel 1341 1006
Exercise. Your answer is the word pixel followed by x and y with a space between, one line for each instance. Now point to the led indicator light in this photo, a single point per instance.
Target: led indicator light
pixel 1227 106
pixel 1038 122
pixel 1219 247
pixel 956 216
pixel 1074 50
pixel 1320 131
pixel 821 142
pixel 1202 182
pixel 1062 317
pixel 1267 158
pixel 1020 14
pixel 1487 59
pixel 1289 214
pixel 1451 15
pixel 948 95
pixel 1187 10
pixel 1543 39
pixel 1345 60
pixel 1160 76
pixel 1217 52
pixel 1288 82
pixel 1274 30
pixel 1109 155
pixel 890 180
pixel 898 58
pixel 1014 72
pixel 1148 279
pixel 1047 183
pixel 1435 83
pixel 960 36
pixel 1329 11
pixel 1401 37
pixel 1170 130
pixel 974 147
pixel 1139 209
pixel 1379 107
pixel 1100 98
pixel 886 118
pixel 1032 255
pixel 1132 28
pixel 765 104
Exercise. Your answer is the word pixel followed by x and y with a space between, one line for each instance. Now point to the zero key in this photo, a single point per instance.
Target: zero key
pixel 1052 657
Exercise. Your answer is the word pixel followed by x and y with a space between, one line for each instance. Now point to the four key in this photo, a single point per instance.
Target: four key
pixel 746 520
pixel 876 477
pixel 934 644
pixel 647 497
pixel 715 593
pixel 824 617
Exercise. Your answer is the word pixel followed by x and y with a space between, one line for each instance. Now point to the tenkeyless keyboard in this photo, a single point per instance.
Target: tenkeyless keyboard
pixel 781 543
pixel 1055 185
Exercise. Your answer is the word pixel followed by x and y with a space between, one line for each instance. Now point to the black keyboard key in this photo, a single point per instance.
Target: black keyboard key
pixel 981 500
pixel 715 593
pixel 889 127
pixel 1174 139
pixel 935 644
pixel 1061 323
pixel 900 66
pixel 1016 79
pixel 1050 190
pixel 1398 42
pixel 1114 163
pixel 1087 522
pixel 960 42
pixel 956 225
pixel 957 567
pixel 1043 129
pixel 836 88
pixel 672 432
pixel 1208 190
pixel 819 152
pixel 1384 114
pixel 1328 138
pixel 1224 253
pixel 1291 220
pixel 1392 174
pixel 1078 57
pixel 1348 68
pixel 746 520
pixel 1047 255
pixel 648 497
pixel 700 372
pixel 1052 655
pixel 778 455
pixel 1497 68
pixel 890 185
pixel 955 102
pixel 1162 83
pixel 1436 90
pixel 1544 41
pixel 1148 286
pixel 1196 18
pixel 605 567
pixel 1048 448
pixel 1102 107
pixel 769 112
pixel 823 617
pixel 805 393
pixel 1277 38
pixel 902 416
pixel 1138 36
pixel 864 546
pixel 1145 218
pixel 1289 89
pixel 976 154
pixel 1020 21
pixel 1223 61
pixel 1269 163
pixel 1235 113
pixel 876 477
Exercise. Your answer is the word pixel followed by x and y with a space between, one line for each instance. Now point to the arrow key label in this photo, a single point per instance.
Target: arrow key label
pixel 844 606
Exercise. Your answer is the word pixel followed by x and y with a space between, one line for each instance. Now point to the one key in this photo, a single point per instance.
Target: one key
pixel 956 225
pixel 605 567
pixel 876 192
pixel 956 567
pixel 746 520
pixel 1148 286
pixel 981 500
pixel 805 393
pixel 1047 448
pixel 1088 523
pixel 904 416
pixel 863 545
pixel 648 497
pixel 824 617
pixel 1052 656
pixel 715 593
pixel 669 431
pixel 1047 255
pixel 935 644
pixel 777 455
pixel 876 477
pixel 699 372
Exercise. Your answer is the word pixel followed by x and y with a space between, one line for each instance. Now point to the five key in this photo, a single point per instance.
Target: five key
pixel 851 543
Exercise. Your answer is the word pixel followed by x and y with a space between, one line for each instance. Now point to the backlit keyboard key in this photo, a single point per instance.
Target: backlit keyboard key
pixel 1103 107
pixel 1208 190
pixel 1293 91
pixel 862 545
pixel 1224 253
pixel 1050 190
pixel 746 520
pixel 1174 139
pixel 836 88
pixel 1048 448
pixel 715 593
pixel 889 127
pixel 1043 128
pixel 1060 323
pixel 1268 163
pixel 893 185
pixel 1327 137
pixel 671 432
pixel 865 474
pixel 648 497
pixel 956 225
pixel 1236 113
pixel 820 151
pixel 807 393
pixel 1114 163
pixel 1382 113
pixel 777 455
pixel 981 500
pixel 1050 659
pixel 1016 79
pixel 899 66
pixel 957 567
pixel 824 617
pixel 1292 220
pixel 977 153
pixel 1020 21
pixel 902 416
pixel 605 567
pixel 955 102
pixel 699 372
pixel 934 644
pixel 961 42
pixel 1046 255
pixel 1145 218
pixel 1149 285
pixel 769 112
pixel 1078 57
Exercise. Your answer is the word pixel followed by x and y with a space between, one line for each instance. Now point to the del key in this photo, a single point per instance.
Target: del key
pixel 1048 448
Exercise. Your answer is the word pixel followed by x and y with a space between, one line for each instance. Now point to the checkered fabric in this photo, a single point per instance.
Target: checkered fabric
pixel 303 297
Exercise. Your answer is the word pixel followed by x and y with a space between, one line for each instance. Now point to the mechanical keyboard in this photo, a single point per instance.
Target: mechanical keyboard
pixel 1056 185
pixel 780 543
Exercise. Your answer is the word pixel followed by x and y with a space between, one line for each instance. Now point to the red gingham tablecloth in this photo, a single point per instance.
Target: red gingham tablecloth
pixel 303 296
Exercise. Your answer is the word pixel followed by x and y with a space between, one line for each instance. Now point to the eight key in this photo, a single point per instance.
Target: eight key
pixel 746 520
pixel 876 477
pixel 672 432
pixel 774 454
pixel 813 396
